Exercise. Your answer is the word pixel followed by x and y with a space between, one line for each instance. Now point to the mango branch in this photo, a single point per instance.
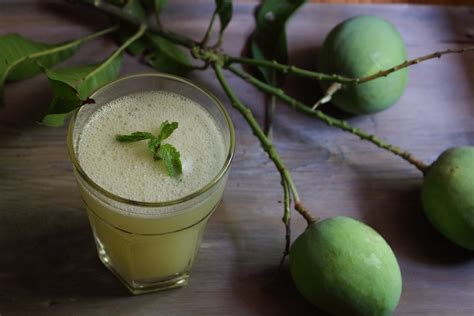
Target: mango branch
pixel 266 144
pixel 287 69
pixel 286 220
pixel 209 29
pixel 212 56
pixel 279 93
pixel 124 16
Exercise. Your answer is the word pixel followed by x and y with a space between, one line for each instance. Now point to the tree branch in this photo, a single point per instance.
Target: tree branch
pixel 286 69
pixel 267 145
pixel 279 93
pixel 286 220
pixel 209 29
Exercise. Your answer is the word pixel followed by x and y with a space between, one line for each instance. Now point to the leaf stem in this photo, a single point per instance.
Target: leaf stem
pixel 270 107
pixel 331 90
pixel 267 145
pixel 279 93
pixel 286 220
pixel 68 44
pixel 209 29
pixel 98 34
pixel 118 51
pixel 287 69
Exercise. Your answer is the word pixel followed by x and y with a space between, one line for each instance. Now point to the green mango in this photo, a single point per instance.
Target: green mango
pixel 448 195
pixel 346 268
pixel 359 47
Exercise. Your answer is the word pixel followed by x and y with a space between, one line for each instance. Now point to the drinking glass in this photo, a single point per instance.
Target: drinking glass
pixel 155 251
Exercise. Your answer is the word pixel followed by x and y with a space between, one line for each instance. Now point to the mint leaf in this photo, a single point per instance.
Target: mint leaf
pixel 166 129
pixel 134 137
pixel 171 158
pixel 166 152
pixel 153 146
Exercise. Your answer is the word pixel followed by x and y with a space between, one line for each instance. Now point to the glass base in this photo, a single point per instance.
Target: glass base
pixel 148 286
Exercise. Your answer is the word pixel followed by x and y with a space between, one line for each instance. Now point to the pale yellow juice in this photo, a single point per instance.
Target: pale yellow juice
pixel 149 246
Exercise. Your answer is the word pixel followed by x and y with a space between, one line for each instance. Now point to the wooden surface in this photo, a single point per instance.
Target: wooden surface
pixel 446 2
pixel 48 263
pixel 443 2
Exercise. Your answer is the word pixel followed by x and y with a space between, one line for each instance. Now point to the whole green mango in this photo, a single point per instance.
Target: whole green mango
pixel 359 47
pixel 346 268
pixel 448 195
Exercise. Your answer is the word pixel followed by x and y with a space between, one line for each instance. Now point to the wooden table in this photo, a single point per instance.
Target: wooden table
pixel 48 263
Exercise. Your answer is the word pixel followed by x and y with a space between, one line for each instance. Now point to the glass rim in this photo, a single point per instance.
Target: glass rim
pixel 207 187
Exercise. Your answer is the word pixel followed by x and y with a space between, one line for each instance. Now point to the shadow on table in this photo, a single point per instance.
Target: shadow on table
pixel 464 37
pixel 257 282
pixel 51 258
pixel 26 101
pixel 307 90
pixel 393 207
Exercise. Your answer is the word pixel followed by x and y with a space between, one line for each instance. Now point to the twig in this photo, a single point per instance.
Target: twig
pixel 270 108
pixel 279 93
pixel 286 220
pixel 267 145
pixel 209 29
pixel 118 51
pixel 287 69
pixel 333 88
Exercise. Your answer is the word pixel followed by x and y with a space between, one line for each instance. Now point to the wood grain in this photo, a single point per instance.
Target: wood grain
pixel 49 264
pixel 445 2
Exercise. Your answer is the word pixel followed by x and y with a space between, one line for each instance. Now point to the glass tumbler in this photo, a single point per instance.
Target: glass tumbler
pixel 155 252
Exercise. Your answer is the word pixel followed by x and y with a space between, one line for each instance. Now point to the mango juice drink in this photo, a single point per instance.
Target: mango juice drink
pixel 148 225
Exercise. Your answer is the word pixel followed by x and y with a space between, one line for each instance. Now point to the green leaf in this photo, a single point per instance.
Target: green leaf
pixel 159 5
pixel 153 147
pixel 117 2
pixel 134 137
pixel 166 152
pixel 224 10
pixel 65 101
pixel 268 41
pixel 171 158
pixel 167 56
pixel 83 81
pixel 20 57
pixel 166 129
pixel 136 9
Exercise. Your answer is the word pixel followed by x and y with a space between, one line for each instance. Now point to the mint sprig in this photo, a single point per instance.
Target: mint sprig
pixel 166 152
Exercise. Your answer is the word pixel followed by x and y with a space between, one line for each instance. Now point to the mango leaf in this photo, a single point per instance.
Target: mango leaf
pixel 224 10
pixel 72 85
pixel 268 41
pixel 138 47
pixel 167 57
pixel 117 2
pixel 159 5
pixel 136 9
pixel 20 57
pixel 63 104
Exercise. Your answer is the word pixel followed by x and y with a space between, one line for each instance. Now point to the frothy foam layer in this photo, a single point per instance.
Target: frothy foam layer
pixel 128 169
